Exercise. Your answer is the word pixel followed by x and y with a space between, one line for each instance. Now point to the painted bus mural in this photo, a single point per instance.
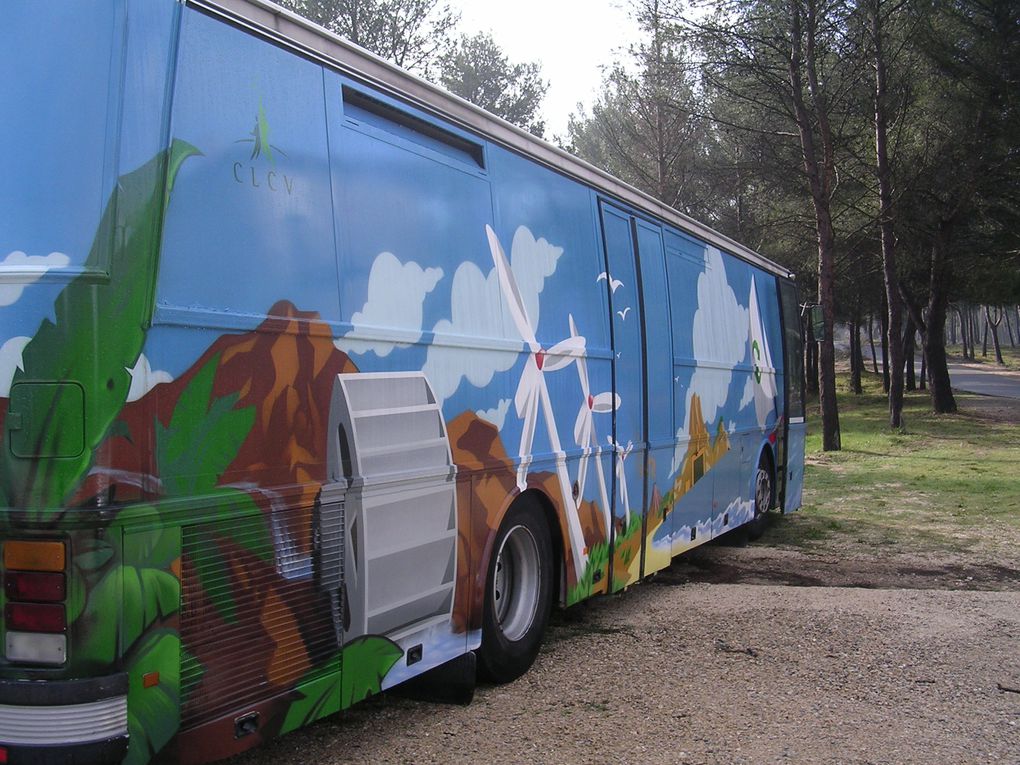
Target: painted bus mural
pixel 314 379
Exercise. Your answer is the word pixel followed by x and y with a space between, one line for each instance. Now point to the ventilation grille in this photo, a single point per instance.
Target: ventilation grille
pixel 384 116
pixel 260 607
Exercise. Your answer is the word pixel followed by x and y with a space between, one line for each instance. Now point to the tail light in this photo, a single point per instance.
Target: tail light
pixel 36 586
pixel 35 617
pixel 35 583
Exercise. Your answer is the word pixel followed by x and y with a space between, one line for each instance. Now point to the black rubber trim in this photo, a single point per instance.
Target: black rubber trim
pixel 94 753
pixel 40 693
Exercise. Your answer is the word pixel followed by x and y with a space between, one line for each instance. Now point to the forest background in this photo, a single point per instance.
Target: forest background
pixel 871 146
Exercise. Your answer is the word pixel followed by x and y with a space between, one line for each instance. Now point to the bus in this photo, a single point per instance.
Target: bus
pixel 315 379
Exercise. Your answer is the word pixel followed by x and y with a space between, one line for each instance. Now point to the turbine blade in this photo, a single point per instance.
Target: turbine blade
pixel 563 353
pixel 530 416
pixel 583 417
pixel 549 415
pixel 605 402
pixel 582 475
pixel 511 294
pixel 527 388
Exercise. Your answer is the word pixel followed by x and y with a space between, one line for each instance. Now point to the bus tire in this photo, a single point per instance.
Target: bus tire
pixel 518 594
pixel 763 493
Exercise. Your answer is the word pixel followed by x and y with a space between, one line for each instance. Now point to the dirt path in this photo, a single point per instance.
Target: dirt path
pixel 720 660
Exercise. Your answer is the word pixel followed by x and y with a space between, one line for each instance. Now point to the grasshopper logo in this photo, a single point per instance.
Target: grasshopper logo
pixel 254 174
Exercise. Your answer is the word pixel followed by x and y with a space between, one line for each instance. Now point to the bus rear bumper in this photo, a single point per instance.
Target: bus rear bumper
pixel 77 722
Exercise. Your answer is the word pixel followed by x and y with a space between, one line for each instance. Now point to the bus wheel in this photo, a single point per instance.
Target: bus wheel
pixel 518 595
pixel 762 499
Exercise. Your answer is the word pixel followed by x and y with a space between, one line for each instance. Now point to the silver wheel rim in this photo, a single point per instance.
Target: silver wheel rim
pixel 515 583
pixel 762 490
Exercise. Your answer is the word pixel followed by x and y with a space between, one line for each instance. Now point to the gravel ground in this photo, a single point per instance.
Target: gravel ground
pixel 735 655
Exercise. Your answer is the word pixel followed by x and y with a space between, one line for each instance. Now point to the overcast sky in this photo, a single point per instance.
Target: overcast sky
pixel 571 39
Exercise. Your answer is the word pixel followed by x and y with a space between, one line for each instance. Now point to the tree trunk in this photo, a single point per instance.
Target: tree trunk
pixel 820 173
pixel 810 359
pixel 923 384
pixel 963 331
pixel 984 335
pixel 871 342
pixel 860 351
pixel 885 347
pixel 1009 328
pixel 941 391
pixel 942 399
pixel 908 354
pixel 972 312
pixel 995 332
pixel 886 222
pixel 855 358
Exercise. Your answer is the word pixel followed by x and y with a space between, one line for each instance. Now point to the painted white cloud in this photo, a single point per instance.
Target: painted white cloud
pixel 473 314
pixel 532 261
pixel 748 396
pixel 396 297
pixel 10 361
pixel 496 416
pixel 24 269
pixel 144 378
pixel 720 340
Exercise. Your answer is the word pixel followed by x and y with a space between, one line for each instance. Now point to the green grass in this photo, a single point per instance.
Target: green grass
pixel 943 482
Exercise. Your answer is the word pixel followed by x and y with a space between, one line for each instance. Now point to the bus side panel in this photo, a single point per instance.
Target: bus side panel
pixel 696 287
pixel 659 384
pixel 727 410
pixel 546 227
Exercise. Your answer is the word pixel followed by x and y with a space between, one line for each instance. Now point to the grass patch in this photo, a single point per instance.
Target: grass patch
pixel 942 482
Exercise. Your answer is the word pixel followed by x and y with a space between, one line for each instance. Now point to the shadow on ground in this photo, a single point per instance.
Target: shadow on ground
pixel 763 565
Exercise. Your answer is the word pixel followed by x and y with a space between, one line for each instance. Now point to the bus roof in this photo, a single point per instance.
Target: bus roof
pixel 311 40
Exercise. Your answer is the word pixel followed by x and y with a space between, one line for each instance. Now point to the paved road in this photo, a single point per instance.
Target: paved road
pixel 972 378
pixel 990 382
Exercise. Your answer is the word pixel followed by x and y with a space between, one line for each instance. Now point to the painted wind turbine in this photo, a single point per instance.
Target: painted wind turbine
pixel 761 359
pixel 584 432
pixel 622 453
pixel 532 393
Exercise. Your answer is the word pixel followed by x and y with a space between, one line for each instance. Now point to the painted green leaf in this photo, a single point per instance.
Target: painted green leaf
pixel 68 350
pixel 149 594
pixel 154 547
pixel 203 436
pixel 319 697
pixel 153 713
pixel 96 628
pixel 365 662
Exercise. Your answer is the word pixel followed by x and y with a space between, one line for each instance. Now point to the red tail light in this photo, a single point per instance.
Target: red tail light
pixel 35 617
pixel 24 585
